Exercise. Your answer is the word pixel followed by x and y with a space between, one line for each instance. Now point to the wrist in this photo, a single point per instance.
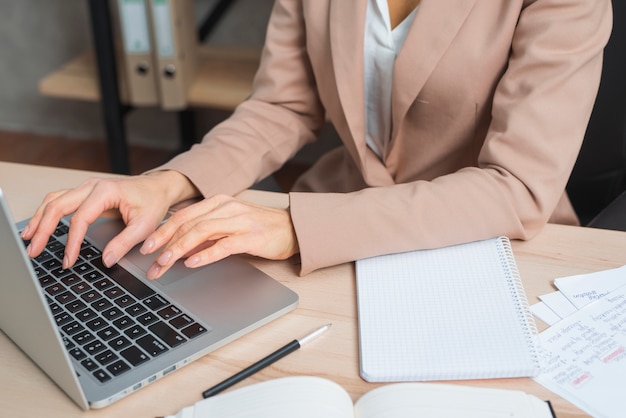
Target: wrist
pixel 176 186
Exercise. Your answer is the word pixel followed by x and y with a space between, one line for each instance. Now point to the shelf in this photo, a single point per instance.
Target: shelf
pixel 223 79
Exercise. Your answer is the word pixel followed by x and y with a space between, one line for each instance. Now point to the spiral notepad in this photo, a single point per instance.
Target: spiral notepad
pixel 450 313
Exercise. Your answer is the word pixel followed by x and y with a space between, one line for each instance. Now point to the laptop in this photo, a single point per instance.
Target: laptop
pixel 102 334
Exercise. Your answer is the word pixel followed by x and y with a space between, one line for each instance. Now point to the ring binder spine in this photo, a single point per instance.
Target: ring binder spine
pixel 523 309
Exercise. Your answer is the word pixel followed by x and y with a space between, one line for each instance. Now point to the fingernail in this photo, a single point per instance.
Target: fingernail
pixel 28 249
pixel 193 261
pixel 153 271
pixel 25 231
pixel 66 262
pixel 147 246
pixel 109 259
pixel 164 258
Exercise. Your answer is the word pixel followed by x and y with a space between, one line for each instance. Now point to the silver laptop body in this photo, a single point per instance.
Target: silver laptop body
pixel 223 301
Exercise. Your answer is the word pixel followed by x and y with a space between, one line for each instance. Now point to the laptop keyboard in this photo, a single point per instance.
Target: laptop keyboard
pixel 109 320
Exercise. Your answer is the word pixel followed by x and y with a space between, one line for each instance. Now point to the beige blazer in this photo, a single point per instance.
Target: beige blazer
pixel 489 107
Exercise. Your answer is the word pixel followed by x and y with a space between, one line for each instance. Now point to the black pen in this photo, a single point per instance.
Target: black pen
pixel 275 356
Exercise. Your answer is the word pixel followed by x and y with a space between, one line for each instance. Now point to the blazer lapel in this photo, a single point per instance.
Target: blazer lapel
pixel 431 33
pixel 435 26
pixel 347 25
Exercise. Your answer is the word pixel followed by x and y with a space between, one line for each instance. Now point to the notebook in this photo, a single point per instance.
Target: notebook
pixel 101 333
pixel 451 313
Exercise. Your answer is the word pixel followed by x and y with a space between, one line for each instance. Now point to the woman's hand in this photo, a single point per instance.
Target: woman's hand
pixel 217 227
pixel 142 201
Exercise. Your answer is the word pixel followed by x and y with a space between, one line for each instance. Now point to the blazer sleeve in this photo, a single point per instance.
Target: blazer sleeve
pixel 540 110
pixel 283 114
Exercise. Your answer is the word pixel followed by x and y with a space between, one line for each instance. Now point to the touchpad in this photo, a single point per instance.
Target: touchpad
pixel 143 262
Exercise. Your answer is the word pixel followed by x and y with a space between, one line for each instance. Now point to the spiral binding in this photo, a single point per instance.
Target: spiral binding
pixel 523 309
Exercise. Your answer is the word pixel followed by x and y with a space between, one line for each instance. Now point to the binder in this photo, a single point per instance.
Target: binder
pixel 175 39
pixel 134 46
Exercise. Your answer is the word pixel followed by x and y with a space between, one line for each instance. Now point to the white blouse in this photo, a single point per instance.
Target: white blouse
pixel 381 47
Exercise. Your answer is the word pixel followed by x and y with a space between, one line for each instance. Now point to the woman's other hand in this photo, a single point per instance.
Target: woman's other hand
pixel 217 227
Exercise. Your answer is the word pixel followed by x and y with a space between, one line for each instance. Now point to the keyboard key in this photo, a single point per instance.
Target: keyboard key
pixel 169 312
pixel 54 245
pixel 102 284
pixel 71 279
pixel 75 306
pixel 86 315
pixel 61 230
pixel 113 292
pixel 94 347
pixel 46 280
pixel 119 342
pixel 112 313
pixel 124 301
pixel 65 297
pixel 93 276
pixel 147 318
pixel 89 364
pixel 136 309
pixel 101 304
pixel 153 346
pixel 96 324
pixel 181 321
pixel 55 308
pixel 129 282
pixel 108 333
pixel 77 353
pixel 62 318
pixel 134 356
pixel 135 332
pixel 60 272
pixel 43 257
pixel 39 272
pixel 123 322
pixel 155 302
pixel 90 296
pixel 51 264
pixel 118 368
pixel 106 357
pixel 193 330
pixel 55 289
pixel 83 337
pixel 101 375
pixel 167 334
pixel 72 328
pixel 82 268
pixel 89 253
pixel 81 287
pixel 59 253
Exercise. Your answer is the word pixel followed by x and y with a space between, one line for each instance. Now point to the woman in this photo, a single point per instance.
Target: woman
pixel 460 119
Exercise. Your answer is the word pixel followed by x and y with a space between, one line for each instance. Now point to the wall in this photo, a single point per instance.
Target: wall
pixel 38 36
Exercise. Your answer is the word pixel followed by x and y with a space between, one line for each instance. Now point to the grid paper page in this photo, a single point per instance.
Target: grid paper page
pixel 452 313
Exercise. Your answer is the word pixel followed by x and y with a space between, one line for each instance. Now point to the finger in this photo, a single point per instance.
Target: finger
pixel 221 249
pixel 33 223
pixel 200 235
pixel 91 203
pixel 180 222
pixel 136 231
pixel 46 219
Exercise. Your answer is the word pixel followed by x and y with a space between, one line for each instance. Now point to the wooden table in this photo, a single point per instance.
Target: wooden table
pixel 326 295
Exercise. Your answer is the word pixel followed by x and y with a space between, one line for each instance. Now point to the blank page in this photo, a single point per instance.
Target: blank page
pixel 457 312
